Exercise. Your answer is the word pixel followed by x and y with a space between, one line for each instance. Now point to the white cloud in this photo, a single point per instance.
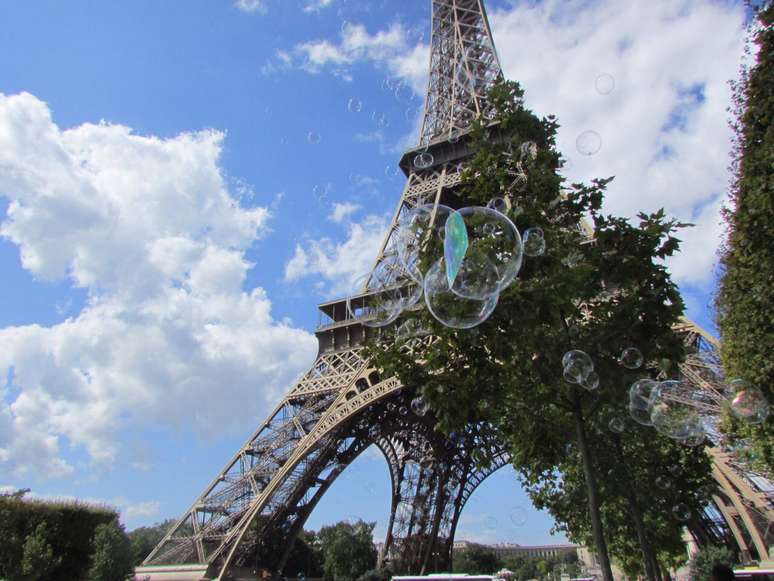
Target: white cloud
pixel 168 336
pixel 250 5
pixel 317 5
pixel 664 126
pixel 339 264
pixel 342 211
pixel 141 509
pixel 391 48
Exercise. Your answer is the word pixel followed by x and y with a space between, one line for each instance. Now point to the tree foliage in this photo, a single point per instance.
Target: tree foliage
pixel 709 556
pixel 746 290
pixel 599 294
pixel 347 550
pixel 144 539
pixel 29 528
pixel 38 558
pixel 112 556
pixel 476 560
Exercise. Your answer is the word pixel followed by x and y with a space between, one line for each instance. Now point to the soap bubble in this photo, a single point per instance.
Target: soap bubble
pixel 748 402
pixel 694 440
pixel 313 137
pixel 493 242
pixel 354 105
pixel 617 425
pixel 410 328
pixel 419 406
pixel 591 381
pixel 588 143
pixel 418 238
pixel 391 171
pixel 676 470
pixel 403 410
pixel 423 160
pixel 380 119
pixel 604 83
pixel 534 242
pixel 449 308
pixel 518 516
pixel 375 306
pixel 664 482
pixel 670 413
pixel 498 205
pixel 681 512
pixel 374 432
pixel 320 192
pixel 577 365
pixel 639 400
pixel 529 150
pixel 402 91
pixel 631 358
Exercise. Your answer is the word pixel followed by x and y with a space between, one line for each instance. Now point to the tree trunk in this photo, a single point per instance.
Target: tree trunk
pixel 648 557
pixel 591 487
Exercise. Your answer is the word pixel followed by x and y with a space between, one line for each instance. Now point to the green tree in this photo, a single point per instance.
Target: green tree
pixel 600 294
pixel 305 558
pixel 347 550
pixel 145 539
pixel 707 558
pixel 112 556
pixel 477 560
pixel 38 558
pixel 746 290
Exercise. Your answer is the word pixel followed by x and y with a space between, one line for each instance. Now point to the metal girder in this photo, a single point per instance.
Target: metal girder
pixel 463 67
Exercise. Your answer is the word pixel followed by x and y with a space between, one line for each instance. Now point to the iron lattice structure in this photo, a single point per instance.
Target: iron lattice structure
pixel 251 512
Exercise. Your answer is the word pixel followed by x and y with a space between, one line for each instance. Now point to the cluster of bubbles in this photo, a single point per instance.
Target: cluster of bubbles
pixel 460 260
pixel 579 368
pixel 674 408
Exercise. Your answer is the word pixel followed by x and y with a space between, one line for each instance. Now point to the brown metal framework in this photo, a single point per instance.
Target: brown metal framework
pixel 251 512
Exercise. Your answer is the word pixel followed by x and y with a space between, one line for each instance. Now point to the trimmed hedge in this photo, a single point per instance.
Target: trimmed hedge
pixel 70 530
pixel 745 300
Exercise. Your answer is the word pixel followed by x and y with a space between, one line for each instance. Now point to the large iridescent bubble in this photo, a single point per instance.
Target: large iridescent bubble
pixel 747 402
pixel 577 366
pixel 419 236
pixel 671 413
pixel 448 307
pixel 639 400
pixel 493 255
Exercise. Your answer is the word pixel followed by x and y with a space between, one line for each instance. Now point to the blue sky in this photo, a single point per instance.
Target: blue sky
pixel 181 183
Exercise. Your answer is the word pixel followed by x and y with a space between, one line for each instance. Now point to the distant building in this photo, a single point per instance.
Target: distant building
pixel 526 551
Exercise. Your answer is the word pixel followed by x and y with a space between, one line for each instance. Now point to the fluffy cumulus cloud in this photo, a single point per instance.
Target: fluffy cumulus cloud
pixel 391 48
pixel 663 126
pixel 661 118
pixel 339 264
pixel 168 336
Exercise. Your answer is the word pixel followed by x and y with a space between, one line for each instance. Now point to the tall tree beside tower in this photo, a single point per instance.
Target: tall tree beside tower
pixel 745 301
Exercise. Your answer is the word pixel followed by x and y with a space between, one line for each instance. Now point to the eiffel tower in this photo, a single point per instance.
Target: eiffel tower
pixel 251 512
